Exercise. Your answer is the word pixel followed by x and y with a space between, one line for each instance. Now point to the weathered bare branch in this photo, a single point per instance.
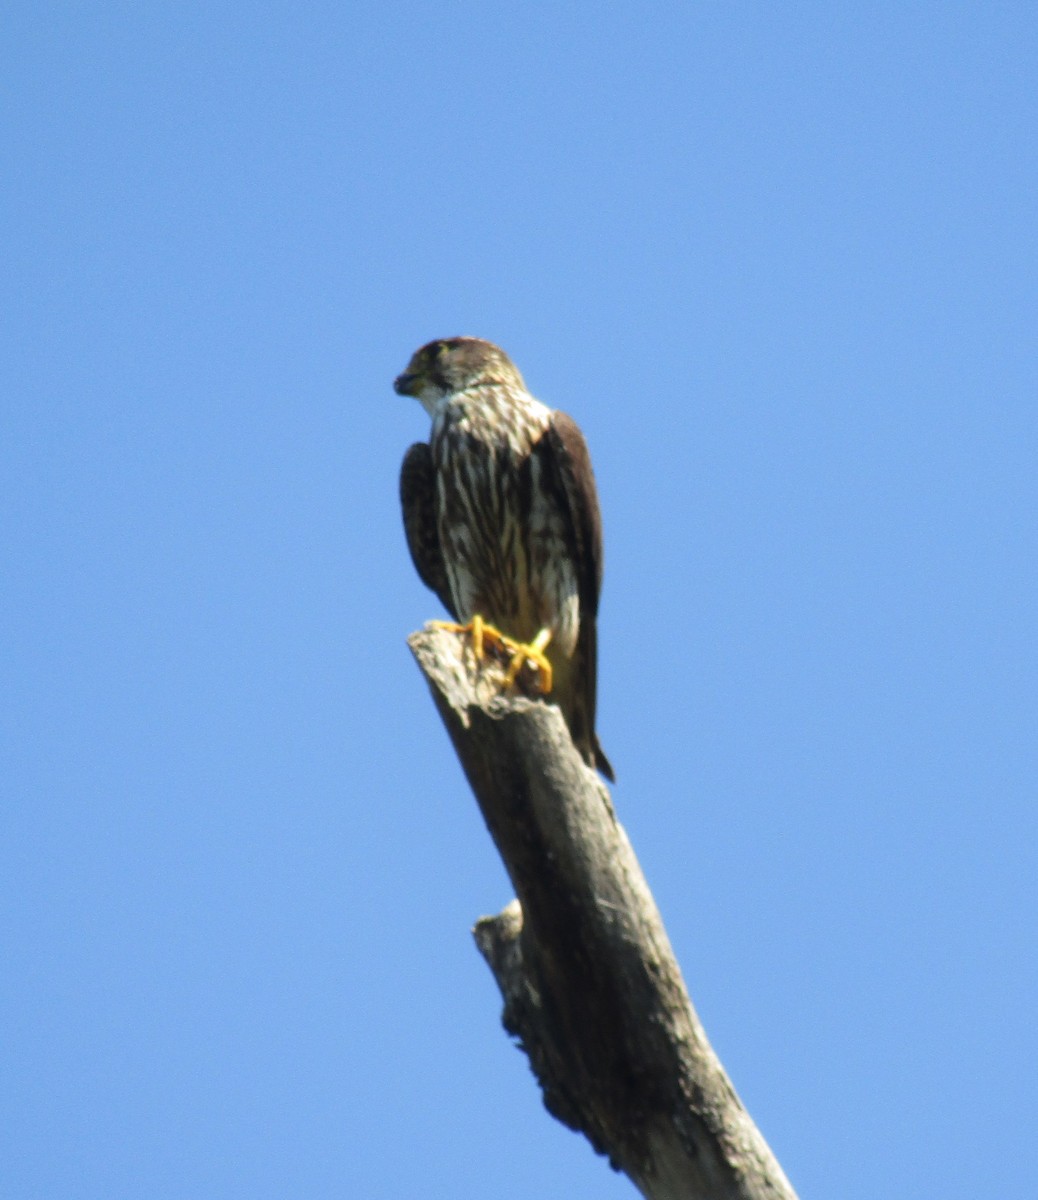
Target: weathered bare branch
pixel 591 986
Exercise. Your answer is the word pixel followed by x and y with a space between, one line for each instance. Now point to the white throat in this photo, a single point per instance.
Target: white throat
pixel 433 400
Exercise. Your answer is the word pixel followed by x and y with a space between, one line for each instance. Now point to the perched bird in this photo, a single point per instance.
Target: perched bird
pixel 502 521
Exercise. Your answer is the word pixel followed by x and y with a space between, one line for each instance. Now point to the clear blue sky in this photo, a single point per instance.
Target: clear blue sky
pixel 780 263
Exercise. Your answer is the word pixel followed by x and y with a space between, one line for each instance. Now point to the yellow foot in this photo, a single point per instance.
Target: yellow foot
pixel 518 653
pixel 523 652
pixel 478 629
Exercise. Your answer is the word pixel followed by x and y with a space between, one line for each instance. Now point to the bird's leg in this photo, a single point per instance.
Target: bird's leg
pixel 524 652
pixel 478 630
pixel 519 653
pixel 483 634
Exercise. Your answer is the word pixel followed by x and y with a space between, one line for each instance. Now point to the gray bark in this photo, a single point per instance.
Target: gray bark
pixel 590 984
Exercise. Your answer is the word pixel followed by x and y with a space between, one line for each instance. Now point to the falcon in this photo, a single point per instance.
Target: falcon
pixel 502 522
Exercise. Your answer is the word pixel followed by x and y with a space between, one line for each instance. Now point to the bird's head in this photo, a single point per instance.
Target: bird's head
pixel 452 365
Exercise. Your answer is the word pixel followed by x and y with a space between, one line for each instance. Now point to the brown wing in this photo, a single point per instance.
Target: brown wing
pixel 569 462
pixel 418 501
